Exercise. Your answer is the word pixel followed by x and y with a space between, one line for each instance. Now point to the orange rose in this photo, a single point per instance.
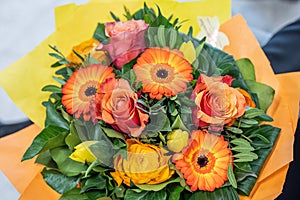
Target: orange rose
pixel 217 102
pixel 84 49
pixel 116 105
pixel 145 164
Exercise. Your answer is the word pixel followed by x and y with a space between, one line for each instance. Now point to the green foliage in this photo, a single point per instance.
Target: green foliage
pixel 99 34
pixel 158 122
pixel 174 191
pixel 54 118
pixel 231 176
pixel 62 60
pixel 264 93
pixel 158 187
pixel 74 194
pixel 247 176
pixel 243 150
pixel 223 193
pixel 52 88
pixel 66 165
pixel 162 37
pixel 145 195
pixel 50 137
pixel 247 69
pixel 59 182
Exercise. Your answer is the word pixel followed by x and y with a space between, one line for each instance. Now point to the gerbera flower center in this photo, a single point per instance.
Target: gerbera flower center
pixel 162 73
pixel 202 161
pixel 90 91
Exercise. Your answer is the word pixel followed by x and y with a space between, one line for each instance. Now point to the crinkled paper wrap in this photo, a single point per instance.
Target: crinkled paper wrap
pixel 24 79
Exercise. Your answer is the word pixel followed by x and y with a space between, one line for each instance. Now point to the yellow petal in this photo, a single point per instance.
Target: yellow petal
pixel 188 50
pixel 82 152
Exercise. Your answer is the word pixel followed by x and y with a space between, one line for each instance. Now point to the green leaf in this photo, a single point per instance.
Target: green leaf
pixel 45 159
pixel 173 39
pixel 243 166
pixel 252 113
pixel 89 131
pixel 242 149
pixel 264 117
pixel 261 137
pixel 224 193
pixel 145 195
pixel 96 182
pixel 158 187
pixel 59 80
pixel 247 68
pixel 79 56
pixel 234 130
pixel 117 19
pixel 113 133
pixel 97 195
pixel 74 194
pixel 264 93
pixel 249 121
pixel 245 157
pixel 178 124
pixel 52 88
pixel 91 167
pixel 127 13
pixel 54 48
pixel 56 56
pixel 67 166
pixel 58 63
pixel 231 176
pixel 99 34
pixel 65 115
pixel 54 118
pixel 240 142
pixel 50 137
pixel 174 191
pixel 161 36
pixel 59 182
pixel 120 191
pixel 158 122
pixel 104 151
pixel 247 180
pixel 72 139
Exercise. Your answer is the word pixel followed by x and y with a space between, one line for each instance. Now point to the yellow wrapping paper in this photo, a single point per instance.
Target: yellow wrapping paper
pixel 24 79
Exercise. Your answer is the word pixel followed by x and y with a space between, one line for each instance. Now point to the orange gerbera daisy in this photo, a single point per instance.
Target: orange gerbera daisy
pixel 204 162
pixel 80 89
pixel 163 72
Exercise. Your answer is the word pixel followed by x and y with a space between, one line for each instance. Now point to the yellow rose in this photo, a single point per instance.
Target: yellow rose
pixel 86 48
pixel 177 140
pixel 145 164
pixel 82 152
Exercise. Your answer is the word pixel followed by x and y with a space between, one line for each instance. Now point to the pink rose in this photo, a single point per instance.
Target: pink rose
pixel 216 102
pixel 116 104
pixel 126 40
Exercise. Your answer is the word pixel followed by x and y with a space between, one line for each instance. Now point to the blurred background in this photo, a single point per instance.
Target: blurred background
pixel 24 24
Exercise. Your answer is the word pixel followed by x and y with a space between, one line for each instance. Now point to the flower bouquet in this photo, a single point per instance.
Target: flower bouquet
pixel 143 109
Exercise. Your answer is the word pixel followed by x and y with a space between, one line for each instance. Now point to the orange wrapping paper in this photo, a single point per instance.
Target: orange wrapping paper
pixel 28 181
